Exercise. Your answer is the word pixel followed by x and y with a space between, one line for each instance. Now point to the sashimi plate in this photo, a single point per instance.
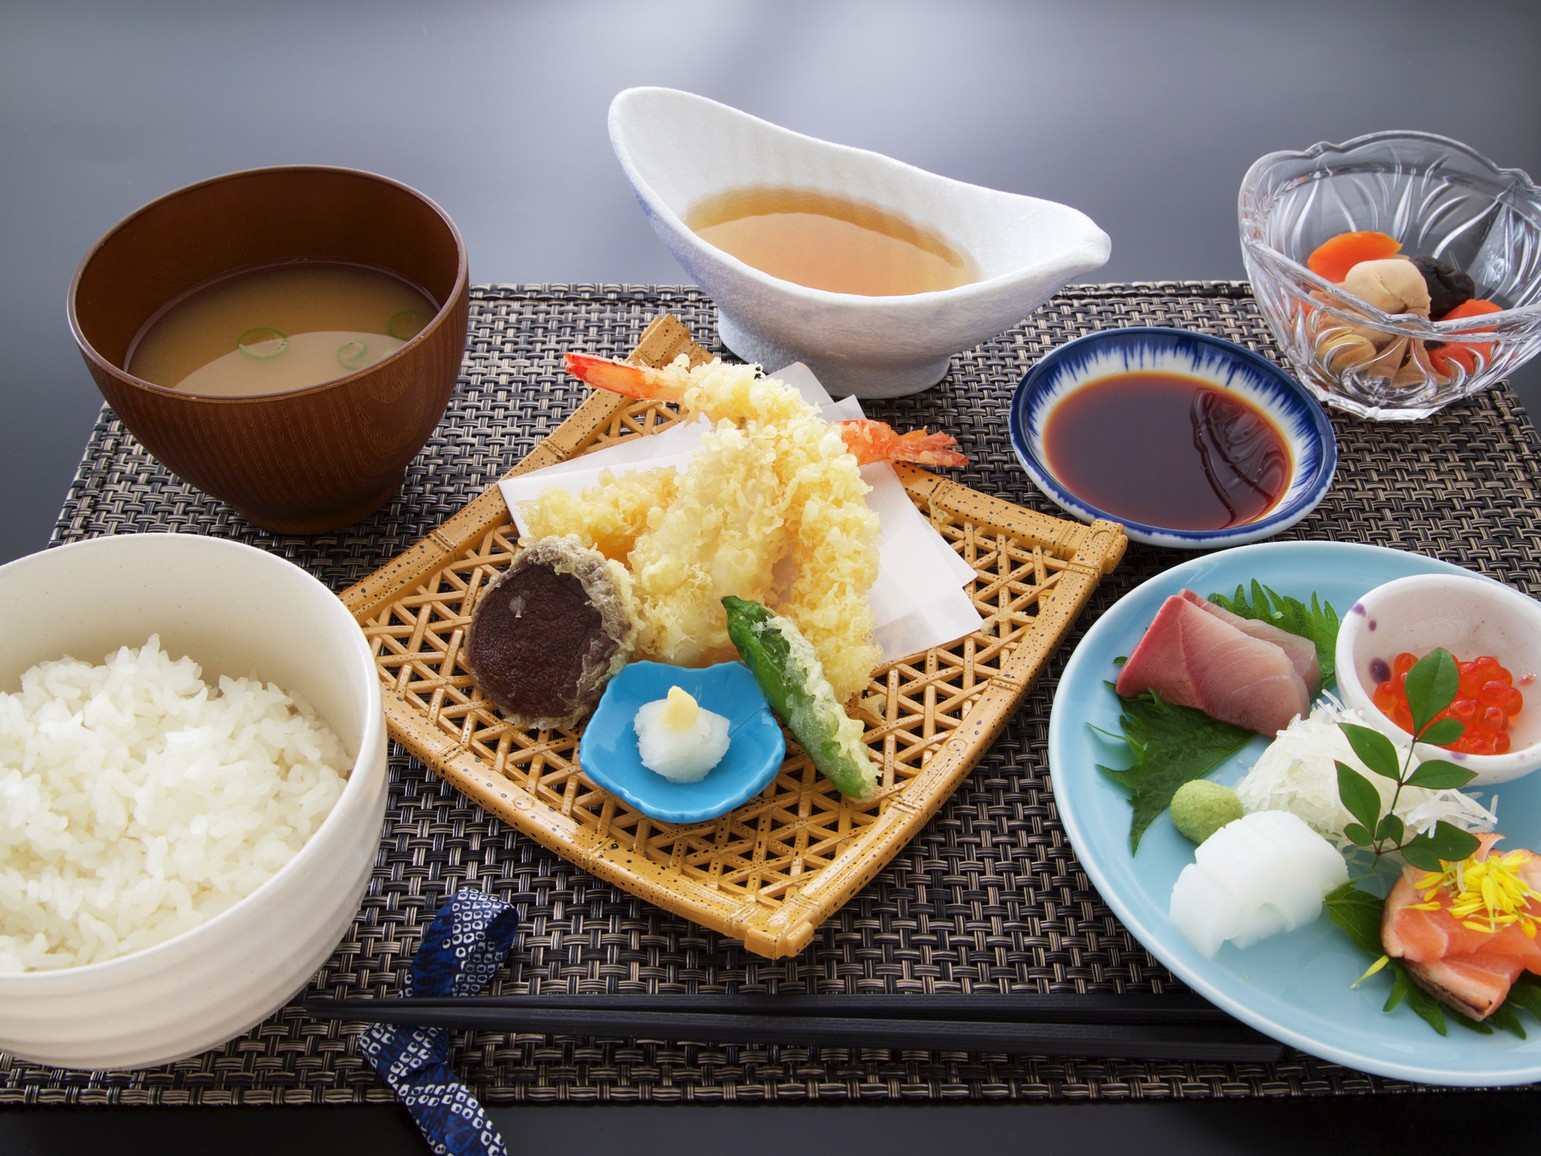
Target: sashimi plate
pixel 1297 987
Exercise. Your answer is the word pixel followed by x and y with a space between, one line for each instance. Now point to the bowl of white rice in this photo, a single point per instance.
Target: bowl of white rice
pixel 192 789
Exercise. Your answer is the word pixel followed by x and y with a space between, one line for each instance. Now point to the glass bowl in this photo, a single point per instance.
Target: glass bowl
pixel 1439 198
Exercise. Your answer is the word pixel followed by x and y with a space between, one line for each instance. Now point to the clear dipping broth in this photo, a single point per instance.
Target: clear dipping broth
pixel 279 327
pixel 1167 450
pixel 829 242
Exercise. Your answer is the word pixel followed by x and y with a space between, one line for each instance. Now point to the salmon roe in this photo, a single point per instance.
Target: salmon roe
pixel 1485 702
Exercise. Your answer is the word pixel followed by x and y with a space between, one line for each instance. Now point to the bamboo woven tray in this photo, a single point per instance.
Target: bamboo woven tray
pixel 771 871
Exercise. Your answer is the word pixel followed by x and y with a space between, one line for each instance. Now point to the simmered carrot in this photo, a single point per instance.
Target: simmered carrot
pixel 1464 353
pixel 1334 257
pixel 1472 307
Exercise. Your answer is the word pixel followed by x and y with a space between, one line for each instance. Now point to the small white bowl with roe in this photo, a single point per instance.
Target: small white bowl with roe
pixel 1473 618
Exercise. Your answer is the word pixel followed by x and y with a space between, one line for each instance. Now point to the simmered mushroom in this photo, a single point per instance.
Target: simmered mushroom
pixel 1448 286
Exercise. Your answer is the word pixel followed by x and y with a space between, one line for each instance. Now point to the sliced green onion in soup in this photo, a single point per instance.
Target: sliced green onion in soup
pixel 353 355
pixel 407 324
pixel 263 343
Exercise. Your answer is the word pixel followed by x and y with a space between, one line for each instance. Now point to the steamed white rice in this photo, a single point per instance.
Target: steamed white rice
pixel 137 801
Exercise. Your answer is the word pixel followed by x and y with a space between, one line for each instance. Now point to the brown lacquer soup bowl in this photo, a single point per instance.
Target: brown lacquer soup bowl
pixel 311 454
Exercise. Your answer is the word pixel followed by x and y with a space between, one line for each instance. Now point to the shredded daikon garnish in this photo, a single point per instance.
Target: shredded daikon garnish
pixel 1298 772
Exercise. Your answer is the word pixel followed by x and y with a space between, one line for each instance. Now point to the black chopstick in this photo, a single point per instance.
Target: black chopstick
pixel 1065 1007
pixel 1131 1027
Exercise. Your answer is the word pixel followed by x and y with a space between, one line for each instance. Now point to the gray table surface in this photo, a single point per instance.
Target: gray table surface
pixel 1144 116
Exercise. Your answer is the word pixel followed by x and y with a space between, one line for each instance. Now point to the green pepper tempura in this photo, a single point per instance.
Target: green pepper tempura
pixel 784 664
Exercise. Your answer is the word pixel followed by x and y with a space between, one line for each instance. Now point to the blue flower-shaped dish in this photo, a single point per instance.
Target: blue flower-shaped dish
pixel 1295 414
pixel 756 749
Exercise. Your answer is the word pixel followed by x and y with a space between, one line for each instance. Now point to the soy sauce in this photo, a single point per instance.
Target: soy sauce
pixel 1168 450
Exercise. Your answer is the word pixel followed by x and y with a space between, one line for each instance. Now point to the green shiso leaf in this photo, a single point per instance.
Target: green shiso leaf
pixel 1506 1018
pixel 1317 622
pixel 1432 1012
pixel 1171 745
pixel 1357 914
pixel 1525 995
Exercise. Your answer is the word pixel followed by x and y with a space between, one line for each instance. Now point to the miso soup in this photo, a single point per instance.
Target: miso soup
pixel 279 327
pixel 829 242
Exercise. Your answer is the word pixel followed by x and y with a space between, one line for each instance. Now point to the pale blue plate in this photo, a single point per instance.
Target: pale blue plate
pixel 1298 416
pixel 1298 986
pixel 756 749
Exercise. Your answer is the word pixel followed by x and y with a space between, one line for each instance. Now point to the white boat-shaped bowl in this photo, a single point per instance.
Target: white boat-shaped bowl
pixel 677 149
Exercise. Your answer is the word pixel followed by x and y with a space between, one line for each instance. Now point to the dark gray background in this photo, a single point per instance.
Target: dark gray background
pixel 1144 115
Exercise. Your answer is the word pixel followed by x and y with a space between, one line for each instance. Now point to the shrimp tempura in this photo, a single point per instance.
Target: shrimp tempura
pixel 772 509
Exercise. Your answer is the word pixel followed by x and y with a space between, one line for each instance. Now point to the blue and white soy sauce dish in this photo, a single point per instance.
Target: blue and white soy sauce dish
pixel 1189 441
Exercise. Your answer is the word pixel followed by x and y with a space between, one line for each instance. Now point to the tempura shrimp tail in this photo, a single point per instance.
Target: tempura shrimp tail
pixel 738 393
pixel 871 440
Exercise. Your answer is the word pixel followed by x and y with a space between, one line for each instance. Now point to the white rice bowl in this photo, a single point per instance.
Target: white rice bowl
pixel 135 985
pixel 138 801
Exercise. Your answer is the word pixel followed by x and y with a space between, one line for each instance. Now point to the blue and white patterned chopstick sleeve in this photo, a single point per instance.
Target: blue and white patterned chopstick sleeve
pixel 461 952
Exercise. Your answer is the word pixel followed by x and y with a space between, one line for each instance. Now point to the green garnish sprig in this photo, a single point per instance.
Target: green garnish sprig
pixel 1432 684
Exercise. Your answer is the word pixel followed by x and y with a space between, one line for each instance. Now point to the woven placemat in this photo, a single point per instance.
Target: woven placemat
pixel 989 896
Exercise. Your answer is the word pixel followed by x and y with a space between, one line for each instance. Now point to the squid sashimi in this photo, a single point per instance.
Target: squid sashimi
pixel 1193 658
pixel 1301 651
pixel 1466 934
pixel 1258 875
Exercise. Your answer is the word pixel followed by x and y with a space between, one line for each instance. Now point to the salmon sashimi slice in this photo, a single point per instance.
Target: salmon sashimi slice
pixel 1196 659
pixel 1468 960
pixel 1301 651
pixel 1412 930
pixel 1412 933
pixel 1474 985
